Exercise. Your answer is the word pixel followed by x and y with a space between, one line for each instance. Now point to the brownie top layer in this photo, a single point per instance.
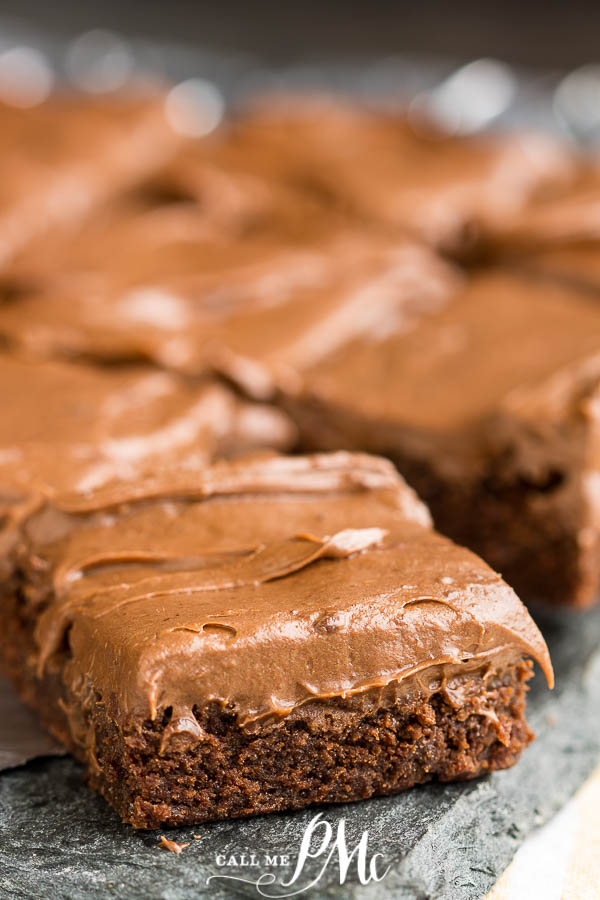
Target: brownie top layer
pixel 241 188
pixel 376 166
pixel 563 216
pixel 261 585
pixel 72 427
pixel 575 262
pixel 65 155
pixel 505 346
pixel 258 309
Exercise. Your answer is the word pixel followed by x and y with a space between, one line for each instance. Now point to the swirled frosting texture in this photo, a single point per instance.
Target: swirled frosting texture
pixel 286 155
pixel 257 310
pixel 64 157
pixel 71 427
pixel 261 584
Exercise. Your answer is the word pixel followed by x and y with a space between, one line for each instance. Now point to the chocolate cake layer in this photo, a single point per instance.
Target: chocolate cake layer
pixel 71 152
pixel 183 633
pixel 489 408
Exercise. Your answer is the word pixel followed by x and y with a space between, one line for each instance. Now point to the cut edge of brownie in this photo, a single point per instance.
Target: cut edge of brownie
pixel 517 530
pixel 326 751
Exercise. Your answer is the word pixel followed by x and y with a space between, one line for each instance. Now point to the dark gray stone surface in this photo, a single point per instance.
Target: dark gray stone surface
pixel 57 840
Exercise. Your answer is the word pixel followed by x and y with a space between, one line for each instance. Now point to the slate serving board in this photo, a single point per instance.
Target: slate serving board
pixel 57 840
pixel 439 842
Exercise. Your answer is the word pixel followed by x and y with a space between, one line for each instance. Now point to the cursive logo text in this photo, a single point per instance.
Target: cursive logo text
pixel 318 842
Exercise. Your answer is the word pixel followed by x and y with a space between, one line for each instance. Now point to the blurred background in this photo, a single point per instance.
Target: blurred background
pixel 473 65
pixel 533 32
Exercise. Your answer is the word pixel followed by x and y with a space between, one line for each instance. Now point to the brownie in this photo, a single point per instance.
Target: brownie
pixel 557 235
pixel 69 153
pixel 576 263
pixel 239 188
pixel 384 169
pixel 263 635
pixel 489 407
pixel 563 216
pixel 129 236
pixel 158 286
pixel 72 427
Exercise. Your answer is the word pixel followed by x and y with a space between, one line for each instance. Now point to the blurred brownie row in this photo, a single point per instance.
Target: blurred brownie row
pixel 300 244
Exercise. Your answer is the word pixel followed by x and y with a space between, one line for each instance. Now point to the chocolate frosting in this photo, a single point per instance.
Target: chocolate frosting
pixel 576 263
pixel 505 349
pixel 262 585
pixel 566 215
pixel 61 158
pixel 381 167
pixel 241 188
pixel 209 279
pixel 257 309
pixel 72 427
pixel 558 235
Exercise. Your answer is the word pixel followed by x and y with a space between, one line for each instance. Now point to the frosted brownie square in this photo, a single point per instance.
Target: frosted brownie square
pixel 66 155
pixel 263 635
pixel 489 407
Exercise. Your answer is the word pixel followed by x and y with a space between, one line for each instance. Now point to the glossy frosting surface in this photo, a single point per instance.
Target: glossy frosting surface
pixel 292 152
pixel 565 215
pixel 71 152
pixel 501 339
pixel 257 310
pixel 576 263
pixel 73 427
pixel 261 585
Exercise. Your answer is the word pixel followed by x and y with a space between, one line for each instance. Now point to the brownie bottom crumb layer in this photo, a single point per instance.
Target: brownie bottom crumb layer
pixel 232 774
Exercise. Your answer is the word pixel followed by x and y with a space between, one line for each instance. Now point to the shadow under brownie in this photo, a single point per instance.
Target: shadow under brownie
pixel 263 635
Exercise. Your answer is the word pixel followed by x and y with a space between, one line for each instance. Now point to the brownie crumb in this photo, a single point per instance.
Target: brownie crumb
pixel 173 846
